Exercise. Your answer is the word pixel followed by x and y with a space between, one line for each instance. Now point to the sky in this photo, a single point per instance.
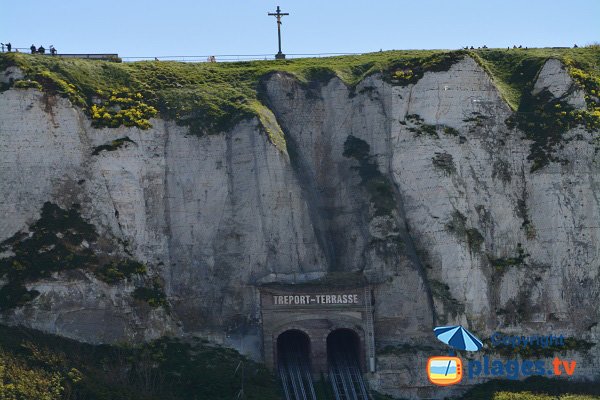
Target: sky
pixel 136 28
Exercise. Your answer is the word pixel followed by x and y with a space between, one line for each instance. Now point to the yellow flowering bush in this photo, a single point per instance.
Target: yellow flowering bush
pixel 19 382
pixel 122 108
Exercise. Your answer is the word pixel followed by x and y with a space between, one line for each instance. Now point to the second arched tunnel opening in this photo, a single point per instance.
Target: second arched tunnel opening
pixel 344 365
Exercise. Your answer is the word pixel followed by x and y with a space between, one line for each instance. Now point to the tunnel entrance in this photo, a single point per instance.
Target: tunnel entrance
pixel 293 364
pixel 304 316
pixel 343 359
pixel 292 344
pixel 343 341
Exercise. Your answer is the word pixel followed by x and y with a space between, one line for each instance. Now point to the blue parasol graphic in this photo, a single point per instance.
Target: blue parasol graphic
pixel 458 338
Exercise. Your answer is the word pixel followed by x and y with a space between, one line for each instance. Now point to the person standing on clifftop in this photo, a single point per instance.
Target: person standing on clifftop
pixel 32 48
pixel 8 46
pixel 41 50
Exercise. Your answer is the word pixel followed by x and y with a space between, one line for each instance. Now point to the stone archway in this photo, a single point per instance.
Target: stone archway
pixel 345 341
pixel 314 314
pixel 292 344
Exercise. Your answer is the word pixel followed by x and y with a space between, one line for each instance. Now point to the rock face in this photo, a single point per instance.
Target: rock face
pixel 423 188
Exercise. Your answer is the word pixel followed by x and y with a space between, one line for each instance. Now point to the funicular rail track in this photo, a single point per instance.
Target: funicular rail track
pixel 345 376
pixel 294 372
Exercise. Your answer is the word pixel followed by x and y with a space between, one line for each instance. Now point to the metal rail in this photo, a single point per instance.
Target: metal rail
pixel 345 376
pixel 294 372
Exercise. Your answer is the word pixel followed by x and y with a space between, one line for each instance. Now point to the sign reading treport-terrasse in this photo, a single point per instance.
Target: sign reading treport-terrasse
pixel 316 299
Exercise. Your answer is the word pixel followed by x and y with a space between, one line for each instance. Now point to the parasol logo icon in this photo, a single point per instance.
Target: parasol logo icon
pixel 458 338
pixel 448 370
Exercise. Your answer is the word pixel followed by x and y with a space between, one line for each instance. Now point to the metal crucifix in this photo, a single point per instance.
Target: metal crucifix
pixel 278 15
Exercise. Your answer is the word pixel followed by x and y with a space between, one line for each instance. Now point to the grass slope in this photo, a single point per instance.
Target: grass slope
pixel 208 97
pixel 534 388
pixel 36 366
pixel 514 71
pixel 213 97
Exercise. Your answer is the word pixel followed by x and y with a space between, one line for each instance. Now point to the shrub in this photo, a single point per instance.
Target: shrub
pixel 60 240
pixel 18 381
pixel 112 146
pixel 116 271
pixel 26 84
pixel 123 107
pixel 155 296
pixel 378 185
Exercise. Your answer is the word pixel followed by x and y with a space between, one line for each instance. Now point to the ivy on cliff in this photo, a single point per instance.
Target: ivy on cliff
pixel 543 118
pixel 378 185
pixel 60 240
pixel 457 225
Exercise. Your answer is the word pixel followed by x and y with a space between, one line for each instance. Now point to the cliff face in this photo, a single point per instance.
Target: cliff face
pixel 424 188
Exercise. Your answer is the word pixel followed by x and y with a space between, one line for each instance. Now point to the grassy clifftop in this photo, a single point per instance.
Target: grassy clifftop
pixel 212 97
pixel 209 97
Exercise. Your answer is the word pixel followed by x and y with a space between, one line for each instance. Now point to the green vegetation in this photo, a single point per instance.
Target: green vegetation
pixel 207 97
pixel 55 243
pixel 213 97
pixel 406 71
pixel 378 185
pixel 155 296
pixel 477 120
pixel 451 305
pixel 112 146
pixel 537 396
pixel 534 388
pixel 418 127
pixel 444 162
pixel 36 366
pixel 514 71
pixel 458 227
pixel 60 240
pixel 543 118
pixel 448 130
pixel 26 84
pixel 500 264
pixel 119 270
pixel 121 107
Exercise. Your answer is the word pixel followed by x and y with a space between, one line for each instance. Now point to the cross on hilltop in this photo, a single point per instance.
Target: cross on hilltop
pixel 278 14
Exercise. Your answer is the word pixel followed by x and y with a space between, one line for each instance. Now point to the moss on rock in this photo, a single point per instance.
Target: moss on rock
pixel 379 186
pixel 60 240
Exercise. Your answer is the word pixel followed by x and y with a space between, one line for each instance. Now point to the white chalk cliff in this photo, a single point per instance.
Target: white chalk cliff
pixel 216 216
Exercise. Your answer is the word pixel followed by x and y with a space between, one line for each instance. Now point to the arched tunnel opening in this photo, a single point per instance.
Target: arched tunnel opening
pixel 293 344
pixel 293 364
pixel 343 359
pixel 343 342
